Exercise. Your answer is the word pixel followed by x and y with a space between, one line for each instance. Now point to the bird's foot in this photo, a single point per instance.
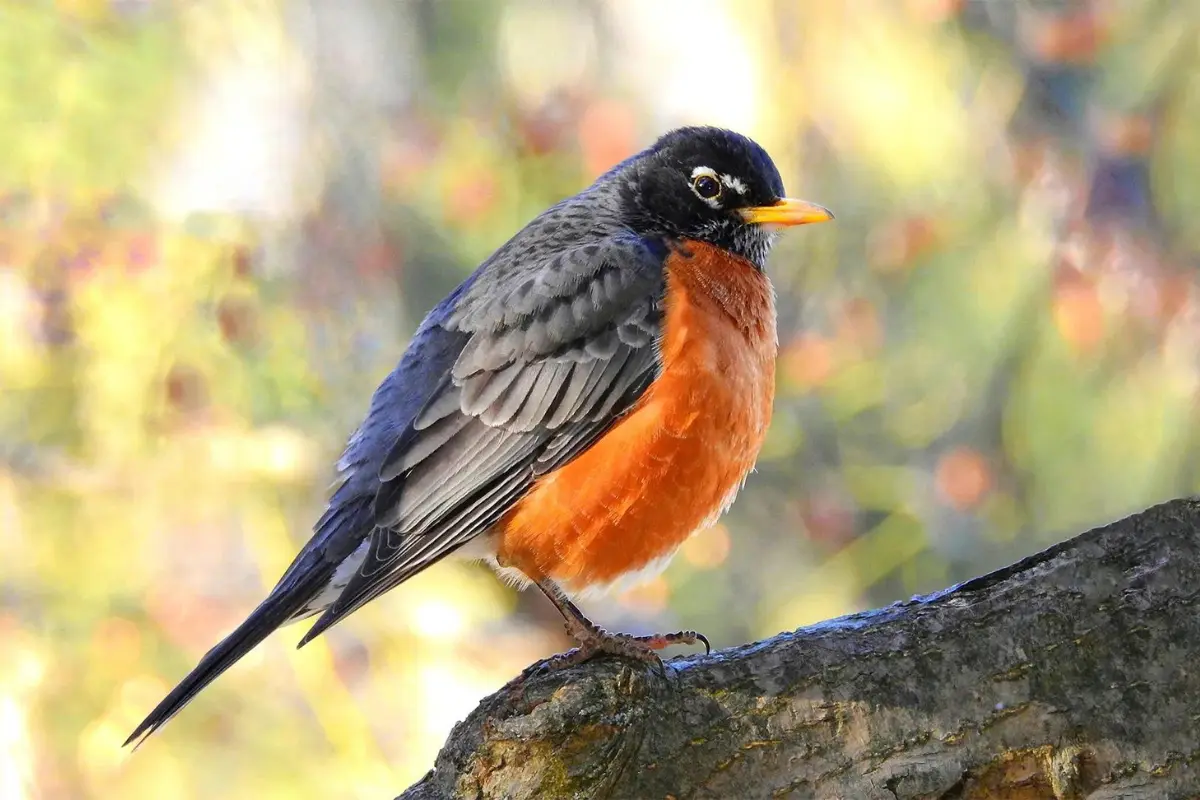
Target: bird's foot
pixel 594 641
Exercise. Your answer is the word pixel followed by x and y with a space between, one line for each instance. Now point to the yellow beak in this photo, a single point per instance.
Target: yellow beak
pixel 787 212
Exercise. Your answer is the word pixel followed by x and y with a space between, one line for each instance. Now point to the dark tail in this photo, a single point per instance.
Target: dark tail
pixel 339 531
pixel 273 612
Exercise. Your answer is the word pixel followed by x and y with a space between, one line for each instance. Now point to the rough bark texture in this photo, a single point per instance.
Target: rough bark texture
pixel 1074 673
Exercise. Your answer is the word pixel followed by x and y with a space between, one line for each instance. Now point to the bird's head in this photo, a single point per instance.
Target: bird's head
pixel 715 186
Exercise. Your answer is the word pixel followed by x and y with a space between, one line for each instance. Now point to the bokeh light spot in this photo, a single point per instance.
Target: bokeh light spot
pixel 435 618
pixel 534 72
pixel 650 597
pixel 1079 315
pixel 707 549
pixel 808 362
pixel 607 134
pixel 963 478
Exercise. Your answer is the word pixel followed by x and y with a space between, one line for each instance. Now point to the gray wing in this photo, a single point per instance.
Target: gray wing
pixel 556 348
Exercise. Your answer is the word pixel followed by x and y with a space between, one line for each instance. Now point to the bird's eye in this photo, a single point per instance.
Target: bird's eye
pixel 708 187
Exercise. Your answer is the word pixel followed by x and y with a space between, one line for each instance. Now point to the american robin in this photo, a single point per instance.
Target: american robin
pixel 593 394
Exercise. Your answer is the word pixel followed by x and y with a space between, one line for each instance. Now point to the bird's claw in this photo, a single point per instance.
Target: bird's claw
pixel 658 641
pixel 595 641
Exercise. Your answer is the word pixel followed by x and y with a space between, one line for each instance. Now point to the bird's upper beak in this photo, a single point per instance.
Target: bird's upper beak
pixel 787 212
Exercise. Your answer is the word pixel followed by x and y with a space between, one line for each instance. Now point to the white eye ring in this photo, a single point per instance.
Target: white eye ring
pixel 703 180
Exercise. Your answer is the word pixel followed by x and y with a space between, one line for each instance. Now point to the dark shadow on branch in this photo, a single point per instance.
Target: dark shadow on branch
pixel 1074 673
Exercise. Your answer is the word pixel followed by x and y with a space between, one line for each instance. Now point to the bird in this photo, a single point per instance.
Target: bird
pixel 594 393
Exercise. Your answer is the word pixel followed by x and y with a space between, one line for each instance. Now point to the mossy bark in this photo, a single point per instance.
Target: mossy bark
pixel 1074 673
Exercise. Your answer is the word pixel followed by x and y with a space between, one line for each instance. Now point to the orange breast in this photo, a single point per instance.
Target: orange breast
pixel 675 461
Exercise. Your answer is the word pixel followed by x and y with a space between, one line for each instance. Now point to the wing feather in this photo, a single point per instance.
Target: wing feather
pixel 556 353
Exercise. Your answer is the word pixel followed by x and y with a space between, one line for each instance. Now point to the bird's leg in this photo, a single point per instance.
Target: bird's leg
pixel 594 640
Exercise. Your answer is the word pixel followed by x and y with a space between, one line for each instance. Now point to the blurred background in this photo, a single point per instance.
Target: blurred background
pixel 220 221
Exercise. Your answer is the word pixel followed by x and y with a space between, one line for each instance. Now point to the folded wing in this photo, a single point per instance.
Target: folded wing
pixel 557 348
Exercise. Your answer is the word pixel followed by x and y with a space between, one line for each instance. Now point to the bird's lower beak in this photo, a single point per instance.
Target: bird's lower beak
pixel 787 212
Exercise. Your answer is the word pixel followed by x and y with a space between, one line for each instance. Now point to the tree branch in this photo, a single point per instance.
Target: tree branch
pixel 1074 673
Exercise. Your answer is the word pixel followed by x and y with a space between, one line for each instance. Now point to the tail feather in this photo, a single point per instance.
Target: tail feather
pixel 277 609
pixel 297 594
